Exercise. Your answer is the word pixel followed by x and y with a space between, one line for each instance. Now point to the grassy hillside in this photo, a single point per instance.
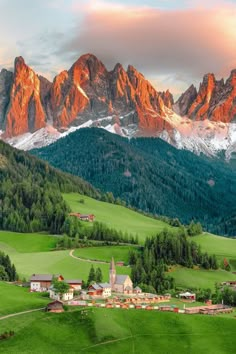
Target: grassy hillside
pixel 31 253
pixel 151 175
pixel 16 299
pixel 120 253
pixel 27 243
pixel 200 278
pixel 105 331
pixel 222 247
pixel 116 216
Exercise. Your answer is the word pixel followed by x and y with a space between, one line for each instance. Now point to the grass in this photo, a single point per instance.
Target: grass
pixel 116 216
pixel 119 331
pixel 27 243
pixel 199 278
pixel 120 253
pixel 222 247
pixel 16 299
pixel 53 262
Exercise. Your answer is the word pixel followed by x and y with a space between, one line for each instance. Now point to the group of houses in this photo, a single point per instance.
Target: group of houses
pixel 121 284
pixel 44 282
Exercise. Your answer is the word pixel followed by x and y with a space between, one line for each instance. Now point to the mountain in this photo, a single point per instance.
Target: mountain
pixel 151 175
pixel 30 192
pixel 35 112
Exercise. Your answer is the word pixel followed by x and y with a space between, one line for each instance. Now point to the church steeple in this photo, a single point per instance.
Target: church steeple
pixel 112 273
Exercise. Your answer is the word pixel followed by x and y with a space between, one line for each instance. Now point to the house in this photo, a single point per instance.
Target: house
pixel 188 296
pixel 119 283
pixel 42 282
pixel 84 217
pixel 76 284
pixel 137 290
pixel 53 294
pixel 100 289
pixel 55 306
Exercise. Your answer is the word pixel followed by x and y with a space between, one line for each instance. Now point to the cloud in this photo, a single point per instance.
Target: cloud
pixel 188 42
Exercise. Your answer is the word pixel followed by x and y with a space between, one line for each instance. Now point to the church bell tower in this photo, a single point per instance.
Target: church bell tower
pixel 112 273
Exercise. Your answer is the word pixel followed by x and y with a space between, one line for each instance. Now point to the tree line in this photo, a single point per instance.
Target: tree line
pixel 150 266
pixel 7 269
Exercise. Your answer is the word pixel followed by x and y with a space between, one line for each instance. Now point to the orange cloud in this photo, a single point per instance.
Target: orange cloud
pixel 189 42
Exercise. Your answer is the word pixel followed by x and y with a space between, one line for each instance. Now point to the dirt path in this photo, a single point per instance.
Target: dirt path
pixel 20 313
pixel 87 260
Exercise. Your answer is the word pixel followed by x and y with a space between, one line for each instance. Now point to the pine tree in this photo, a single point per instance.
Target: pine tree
pixel 98 275
pixel 92 276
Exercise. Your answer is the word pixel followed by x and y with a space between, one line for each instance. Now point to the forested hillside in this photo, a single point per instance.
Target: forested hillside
pixel 151 175
pixel 30 192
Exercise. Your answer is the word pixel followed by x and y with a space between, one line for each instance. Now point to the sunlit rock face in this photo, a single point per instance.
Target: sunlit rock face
pixel 215 100
pixel 25 112
pixel 35 112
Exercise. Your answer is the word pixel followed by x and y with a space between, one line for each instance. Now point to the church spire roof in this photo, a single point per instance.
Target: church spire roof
pixel 112 264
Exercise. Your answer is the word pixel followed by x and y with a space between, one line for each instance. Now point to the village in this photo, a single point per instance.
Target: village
pixel 118 293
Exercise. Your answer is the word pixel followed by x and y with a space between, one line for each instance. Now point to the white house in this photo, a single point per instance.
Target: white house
pixel 53 294
pixel 42 282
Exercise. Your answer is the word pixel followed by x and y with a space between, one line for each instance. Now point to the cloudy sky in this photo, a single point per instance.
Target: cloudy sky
pixel 173 43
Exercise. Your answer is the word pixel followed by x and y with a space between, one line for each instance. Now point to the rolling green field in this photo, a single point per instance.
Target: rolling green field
pixel 200 278
pixel 222 247
pixel 16 299
pixel 116 216
pixel 105 331
pixel 120 253
pixel 27 243
pixel 28 254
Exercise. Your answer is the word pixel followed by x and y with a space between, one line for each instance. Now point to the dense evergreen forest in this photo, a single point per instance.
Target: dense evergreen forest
pixel 151 175
pixel 167 248
pixel 7 269
pixel 30 192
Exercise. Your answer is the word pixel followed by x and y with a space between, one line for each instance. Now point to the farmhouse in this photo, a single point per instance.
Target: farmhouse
pixel 53 294
pixel 100 289
pixel 120 283
pixel 76 284
pixel 42 282
pixel 187 296
pixel 55 306
pixel 84 217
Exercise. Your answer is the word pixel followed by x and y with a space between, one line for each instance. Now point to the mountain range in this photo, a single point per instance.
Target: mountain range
pixel 35 112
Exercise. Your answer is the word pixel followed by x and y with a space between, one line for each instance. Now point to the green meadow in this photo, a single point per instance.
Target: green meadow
pixel 116 216
pixel 222 247
pixel 105 331
pixel 34 255
pixel 200 278
pixel 16 299
pixel 120 253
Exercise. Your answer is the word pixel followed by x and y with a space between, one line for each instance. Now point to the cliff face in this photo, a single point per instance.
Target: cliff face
pixel 215 100
pixel 25 112
pixel 85 92
pixel 89 94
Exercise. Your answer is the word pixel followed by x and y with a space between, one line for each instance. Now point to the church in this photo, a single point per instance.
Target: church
pixel 120 283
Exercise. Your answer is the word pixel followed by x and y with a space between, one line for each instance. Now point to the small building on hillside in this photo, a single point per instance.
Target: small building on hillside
pixel 55 306
pixel 75 283
pixel 137 290
pixel 187 296
pixel 100 290
pixel 119 283
pixel 42 282
pixel 53 294
pixel 84 217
